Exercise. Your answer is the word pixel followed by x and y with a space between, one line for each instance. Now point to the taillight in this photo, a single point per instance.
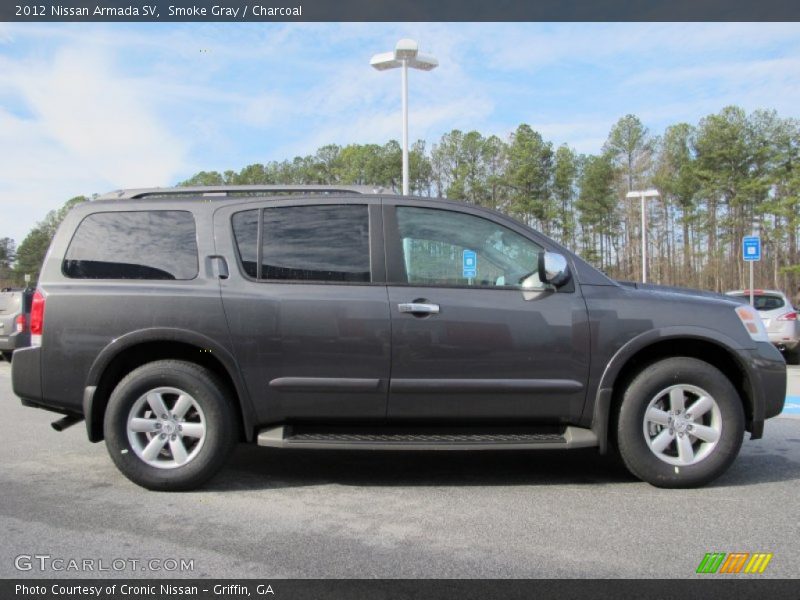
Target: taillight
pixel 37 318
pixel 792 316
pixel 20 323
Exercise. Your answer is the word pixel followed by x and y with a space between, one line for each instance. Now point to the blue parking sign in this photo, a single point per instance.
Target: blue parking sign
pixel 470 264
pixel 751 248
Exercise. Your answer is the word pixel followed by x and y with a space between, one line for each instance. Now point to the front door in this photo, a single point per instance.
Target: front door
pixel 474 333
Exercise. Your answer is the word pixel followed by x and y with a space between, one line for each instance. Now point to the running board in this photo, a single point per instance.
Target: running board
pixel 283 436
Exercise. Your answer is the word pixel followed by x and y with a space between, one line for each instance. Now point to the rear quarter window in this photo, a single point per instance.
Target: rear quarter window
pixel 153 244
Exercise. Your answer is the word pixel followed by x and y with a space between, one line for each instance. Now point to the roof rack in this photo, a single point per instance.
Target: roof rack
pixel 225 190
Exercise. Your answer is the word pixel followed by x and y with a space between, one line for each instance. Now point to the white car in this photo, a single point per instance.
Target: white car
pixel 780 319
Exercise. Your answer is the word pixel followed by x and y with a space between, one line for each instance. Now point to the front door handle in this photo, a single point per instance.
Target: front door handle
pixel 419 308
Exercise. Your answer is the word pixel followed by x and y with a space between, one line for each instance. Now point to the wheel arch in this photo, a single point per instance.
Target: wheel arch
pixel 135 349
pixel 693 342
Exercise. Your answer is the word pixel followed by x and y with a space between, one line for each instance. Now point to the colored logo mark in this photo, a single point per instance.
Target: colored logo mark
pixel 733 563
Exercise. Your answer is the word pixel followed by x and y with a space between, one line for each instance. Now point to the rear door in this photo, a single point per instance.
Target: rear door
pixel 475 335
pixel 307 307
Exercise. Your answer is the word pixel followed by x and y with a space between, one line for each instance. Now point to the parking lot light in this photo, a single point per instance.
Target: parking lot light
pixel 406 54
pixel 642 195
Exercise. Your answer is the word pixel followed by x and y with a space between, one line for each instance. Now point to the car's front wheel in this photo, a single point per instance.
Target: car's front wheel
pixel 680 424
pixel 169 425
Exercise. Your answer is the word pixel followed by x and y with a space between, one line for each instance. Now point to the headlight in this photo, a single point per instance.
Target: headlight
pixel 752 323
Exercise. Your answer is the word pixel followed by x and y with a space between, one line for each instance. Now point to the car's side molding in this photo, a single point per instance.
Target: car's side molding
pixel 465 386
pixel 604 394
pixel 168 334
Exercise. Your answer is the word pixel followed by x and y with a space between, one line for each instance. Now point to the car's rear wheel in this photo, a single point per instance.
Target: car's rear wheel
pixel 8 355
pixel 681 423
pixel 169 425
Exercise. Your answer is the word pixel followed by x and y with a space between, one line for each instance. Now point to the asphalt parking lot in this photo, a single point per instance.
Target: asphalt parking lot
pixel 309 514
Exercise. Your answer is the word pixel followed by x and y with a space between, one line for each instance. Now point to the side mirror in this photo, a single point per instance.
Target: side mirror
pixel 553 269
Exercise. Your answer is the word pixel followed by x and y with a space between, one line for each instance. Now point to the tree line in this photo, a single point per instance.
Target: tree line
pixel 729 175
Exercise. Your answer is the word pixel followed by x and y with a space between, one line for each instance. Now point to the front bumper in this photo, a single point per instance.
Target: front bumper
pixel 766 371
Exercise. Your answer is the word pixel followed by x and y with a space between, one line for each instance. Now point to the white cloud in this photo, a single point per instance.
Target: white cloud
pixel 85 128
pixel 520 47
pixel 91 107
pixel 737 72
pixel 101 120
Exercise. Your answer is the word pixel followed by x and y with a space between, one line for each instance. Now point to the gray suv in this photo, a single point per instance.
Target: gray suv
pixel 178 322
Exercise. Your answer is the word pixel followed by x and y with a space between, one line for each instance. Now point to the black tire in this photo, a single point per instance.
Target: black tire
pixel 637 441
pixel 8 355
pixel 211 411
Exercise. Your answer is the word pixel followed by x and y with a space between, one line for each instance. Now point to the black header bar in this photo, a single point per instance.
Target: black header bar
pixel 400 10
pixel 709 588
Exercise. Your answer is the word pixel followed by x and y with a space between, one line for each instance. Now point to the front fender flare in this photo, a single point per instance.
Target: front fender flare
pixel 604 396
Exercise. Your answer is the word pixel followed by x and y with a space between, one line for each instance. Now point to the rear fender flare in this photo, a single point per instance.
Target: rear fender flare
pixel 164 334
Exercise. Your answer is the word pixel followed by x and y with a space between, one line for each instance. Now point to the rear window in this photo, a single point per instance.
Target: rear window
pixel 153 244
pixel 762 301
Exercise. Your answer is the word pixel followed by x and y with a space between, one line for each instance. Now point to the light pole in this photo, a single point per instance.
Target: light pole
pixel 642 195
pixel 406 54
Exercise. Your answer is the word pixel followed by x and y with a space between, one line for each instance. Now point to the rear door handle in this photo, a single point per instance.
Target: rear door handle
pixel 219 266
pixel 419 308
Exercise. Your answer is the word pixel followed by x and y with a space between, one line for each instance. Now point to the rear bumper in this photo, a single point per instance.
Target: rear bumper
pixel 778 341
pixel 26 381
pixel 14 341
pixel 26 374
pixel 787 335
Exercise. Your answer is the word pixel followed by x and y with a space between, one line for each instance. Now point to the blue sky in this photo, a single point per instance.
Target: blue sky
pixel 93 107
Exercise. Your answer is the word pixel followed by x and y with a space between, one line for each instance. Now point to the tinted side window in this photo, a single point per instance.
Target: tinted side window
pixel 442 247
pixel 155 244
pixel 316 243
pixel 245 231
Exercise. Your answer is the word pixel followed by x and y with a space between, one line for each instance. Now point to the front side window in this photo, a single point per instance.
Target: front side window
pixel 305 243
pixel 147 244
pixel 442 248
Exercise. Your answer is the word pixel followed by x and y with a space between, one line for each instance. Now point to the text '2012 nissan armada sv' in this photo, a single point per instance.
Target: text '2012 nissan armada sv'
pixel 178 322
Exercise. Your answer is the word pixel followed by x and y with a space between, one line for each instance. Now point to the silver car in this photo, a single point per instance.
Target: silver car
pixel 15 308
pixel 780 319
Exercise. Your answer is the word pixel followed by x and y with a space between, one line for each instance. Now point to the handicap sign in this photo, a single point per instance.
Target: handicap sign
pixel 751 248
pixel 470 264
